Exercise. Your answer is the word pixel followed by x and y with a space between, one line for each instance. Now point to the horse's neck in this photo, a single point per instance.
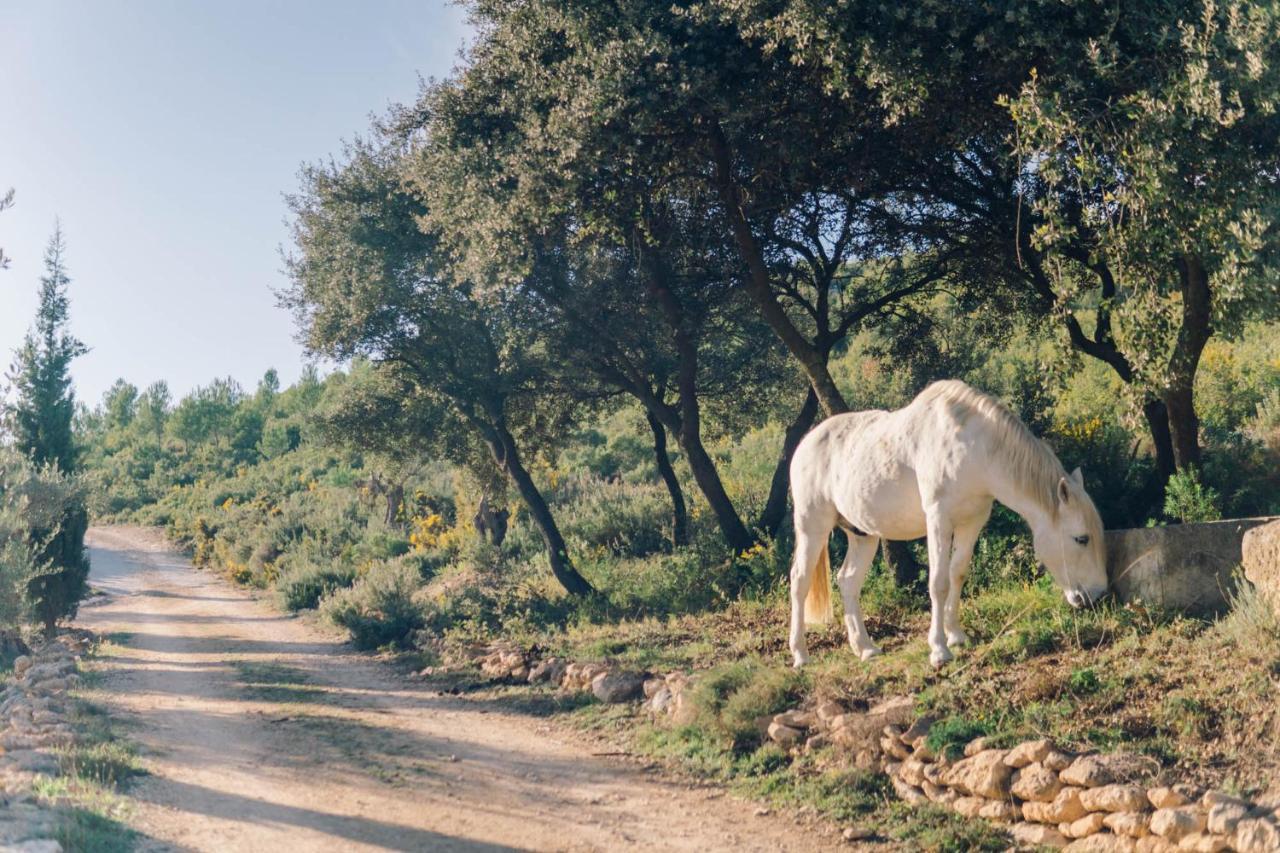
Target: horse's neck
pixel 1027 503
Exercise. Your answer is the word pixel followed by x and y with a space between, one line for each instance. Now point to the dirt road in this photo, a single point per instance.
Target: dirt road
pixel 261 732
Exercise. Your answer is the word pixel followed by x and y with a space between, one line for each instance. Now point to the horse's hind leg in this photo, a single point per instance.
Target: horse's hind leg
pixel 857 561
pixel 811 543
pixel 966 534
pixel 940 536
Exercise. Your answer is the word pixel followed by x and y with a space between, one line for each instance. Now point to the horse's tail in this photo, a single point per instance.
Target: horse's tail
pixel 817 604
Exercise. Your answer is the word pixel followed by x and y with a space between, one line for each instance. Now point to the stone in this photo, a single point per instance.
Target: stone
pixel 1218 798
pixel 1174 824
pixel 969 806
pixel 1037 835
pixel 895 711
pixel 796 719
pixel 1057 761
pixel 1003 811
pixel 550 670
pixel 816 742
pixel 868 759
pixel 975 746
pixel 21 664
pixel 1132 824
pixel 1087 825
pixel 617 687
pixel 984 775
pixel 1204 842
pixel 920 749
pixel 1172 797
pixel 1224 817
pixel 908 793
pixel 1028 752
pixel 520 673
pixel 912 771
pixel 35 845
pixel 1114 798
pixel 939 794
pixel 1065 808
pixel 1260 555
pixel 653 685
pixel 1153 844
pixel 784 735
pixel 828 711
pixel 857 833
pixel 1035 782
pixel 920 728
pixel 1093 771
pixel 891 746
pixel 1102 842
pixel 1256 835
pixel 660 702
pixel 1183 567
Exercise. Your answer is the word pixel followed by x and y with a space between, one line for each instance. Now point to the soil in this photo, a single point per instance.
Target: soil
pixel 261 731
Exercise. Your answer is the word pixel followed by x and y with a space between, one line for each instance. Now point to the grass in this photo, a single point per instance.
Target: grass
pixel 271 682
pixel 89 792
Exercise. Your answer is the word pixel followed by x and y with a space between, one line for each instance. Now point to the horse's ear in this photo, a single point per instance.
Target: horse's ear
pixel 1064 491
pixel 1078 476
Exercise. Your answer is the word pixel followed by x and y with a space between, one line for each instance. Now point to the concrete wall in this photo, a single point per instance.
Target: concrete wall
pixel 1186 567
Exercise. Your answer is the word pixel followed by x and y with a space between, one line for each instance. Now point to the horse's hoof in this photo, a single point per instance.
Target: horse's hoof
pixel 959 638
pixel 799 660
pixel 938 657
pixel 869 653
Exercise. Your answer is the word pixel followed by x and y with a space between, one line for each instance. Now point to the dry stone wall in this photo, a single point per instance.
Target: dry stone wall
pixel 1045 797
pixel 34 725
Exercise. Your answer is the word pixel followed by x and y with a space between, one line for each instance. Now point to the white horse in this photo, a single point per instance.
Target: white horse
pixel 932 468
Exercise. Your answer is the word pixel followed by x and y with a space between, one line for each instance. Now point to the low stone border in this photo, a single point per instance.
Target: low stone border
pixel 1045 797
pixel 34 712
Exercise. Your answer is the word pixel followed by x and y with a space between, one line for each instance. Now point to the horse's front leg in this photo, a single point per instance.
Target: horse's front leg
pixel 940 535
pixel 857 561
pixel 966 535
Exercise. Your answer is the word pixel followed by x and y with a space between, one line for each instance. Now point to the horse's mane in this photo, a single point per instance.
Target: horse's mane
pixel 1034 466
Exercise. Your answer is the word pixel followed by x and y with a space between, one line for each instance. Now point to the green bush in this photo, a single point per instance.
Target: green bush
pixel 304 585
pixel 379 609
pixel 1189 500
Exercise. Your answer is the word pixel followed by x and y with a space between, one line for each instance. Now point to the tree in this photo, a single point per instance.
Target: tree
pixel 6 201
pixel 40 415
pixel 120 405
pixel 368 281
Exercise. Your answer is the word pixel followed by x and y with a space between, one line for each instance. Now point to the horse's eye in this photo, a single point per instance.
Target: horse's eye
pixel 1082 540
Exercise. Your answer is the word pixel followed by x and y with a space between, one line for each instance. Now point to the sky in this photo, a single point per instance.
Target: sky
pixel 164 134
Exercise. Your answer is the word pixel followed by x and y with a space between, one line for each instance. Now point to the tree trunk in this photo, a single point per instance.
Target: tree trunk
pixel 1157 416
pixel 395 497
pixel 503 446
pixel 679 513
pixel 901 560
pixel 704 472
pixel 1179 395
pixel 775 508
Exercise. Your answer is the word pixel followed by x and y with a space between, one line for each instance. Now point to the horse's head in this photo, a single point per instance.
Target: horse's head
pixel 1069 543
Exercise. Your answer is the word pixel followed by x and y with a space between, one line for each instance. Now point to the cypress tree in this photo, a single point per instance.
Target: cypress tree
pixel 39 421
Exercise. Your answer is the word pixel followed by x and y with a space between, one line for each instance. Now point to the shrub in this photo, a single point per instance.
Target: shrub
pixel 730 698
pixel 1189 500
pixel 304 585
pixel 379 609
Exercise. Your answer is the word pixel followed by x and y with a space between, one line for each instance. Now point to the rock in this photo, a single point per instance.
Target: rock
pixel 984 774
pixel 1256 835
pixel 920 749
pixel 1092 771
pixel 1057 761
pixel 1224 817
pixel 619 686
pixel 1153 844
pixel 1087 825
pixel 1132 824
pixel 21 664
pixel 796 719
pixel 912 771
pixel 1174 824
pixel 1037 835
pixel 1174 796
pixel 890 746
pixel 550 670
pixel 660 702
pixel 856 833
pixel 1029 752
pixel 653 685
pixel 1065 808
pixel 784 735
pixel 816 742
pixel 1102 842
pixel 938 794
pixel 908 793
pixel 894 711
pixel 920 728
pixel 1204 842
pixel 1000 810
pixel 1218 798
pixel 1034 782
pixel 1114 798
pixel 35 845
pixel 969 806
pixel 520 673
pixel 828 711
pixel 975 746
pixel 1260 551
